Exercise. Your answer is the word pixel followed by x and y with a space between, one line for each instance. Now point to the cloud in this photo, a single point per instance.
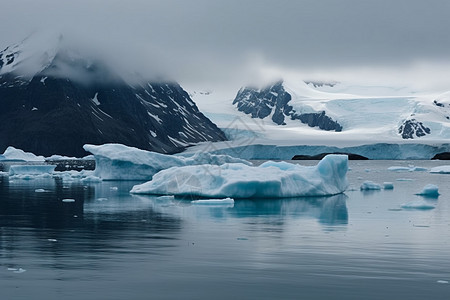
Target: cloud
pixel 223 41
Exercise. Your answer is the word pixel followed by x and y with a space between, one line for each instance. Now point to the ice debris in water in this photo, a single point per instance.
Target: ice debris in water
pixel 68 200
pixel 17 270
pixel 237 180
pixel 407 169
pixel 388 185
pixel 430 190
pixel 39 191
pixel 226 201
pixel 369 185
pixel 120 162
pixel 441 170
pixel 418 204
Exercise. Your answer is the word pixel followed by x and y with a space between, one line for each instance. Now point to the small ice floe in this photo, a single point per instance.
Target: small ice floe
pixel 68 200
pixel 388 185
pixel 442 281
pixel 404 179
pixel 430 190
pixel 441 170
pixel 418 204
pixel 102 199
pixel 226 201
pixel 91 178
pixel 114 188
pixel 40 191
pixel 407 169
pixel 52 240
pixel 31 170
pixel 370 186
pixel 17 270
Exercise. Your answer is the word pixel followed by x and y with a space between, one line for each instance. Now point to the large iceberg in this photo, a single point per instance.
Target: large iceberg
pixel 269 180
pixel 120 162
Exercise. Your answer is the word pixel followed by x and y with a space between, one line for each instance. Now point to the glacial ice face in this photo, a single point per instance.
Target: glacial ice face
pixel 120 162
pixel 237 180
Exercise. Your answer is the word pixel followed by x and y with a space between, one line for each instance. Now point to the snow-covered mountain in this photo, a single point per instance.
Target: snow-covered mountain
pixel 289 117
pixel 294 112
pixel 54 100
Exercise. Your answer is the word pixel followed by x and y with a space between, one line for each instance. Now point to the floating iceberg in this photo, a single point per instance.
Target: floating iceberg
pixel 226 201
pixel 31 169
pixel 388 185
pixel 430 190
pixel 407 169
pixel 418 204
pixel 441 170
pixel 119 162
pixel 237 180
pixel 12 153
pixel 370 185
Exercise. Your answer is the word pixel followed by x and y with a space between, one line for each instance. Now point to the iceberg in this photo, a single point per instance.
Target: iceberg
pixel 370 185
pixel 418 204
pixel 441 170
pixel 226 201
pixel 388 185
pixel 407 169
pixel 120 162
pixel 430 190
pixel 12 153
pixel 16 170
pixel 237 180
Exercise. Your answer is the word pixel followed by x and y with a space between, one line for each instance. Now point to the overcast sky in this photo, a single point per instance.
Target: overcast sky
pixel 207 40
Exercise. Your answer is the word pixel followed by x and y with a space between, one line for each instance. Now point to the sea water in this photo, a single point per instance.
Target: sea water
pixel 107 244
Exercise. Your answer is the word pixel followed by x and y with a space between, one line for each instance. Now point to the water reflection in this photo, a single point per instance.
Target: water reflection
pixel 330 210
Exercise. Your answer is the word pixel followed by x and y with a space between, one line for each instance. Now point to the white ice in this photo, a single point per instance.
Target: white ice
pixel 441 170
pixel 226 201
pixel 119 162
pixel 430 190
pixel 418 204
pixel 31 169
pixel 370 185
pixel 407 169
pixel 12 153
pixel 269 180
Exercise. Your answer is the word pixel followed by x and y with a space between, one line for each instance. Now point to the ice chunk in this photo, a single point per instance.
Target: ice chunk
pixel 226 201
pixel 12 153
pixel 407 169
pixel 40 191
pixel 119 162
pixel 418 204
pixel 369 185
pixel 388 185
pixel 271 179
pixel 31 169
pixel 430 190
pixel 441 170
pixel 68 200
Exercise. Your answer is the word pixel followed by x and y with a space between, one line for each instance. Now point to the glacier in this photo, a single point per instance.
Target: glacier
pixel 255 149
pixel 120 162
pixel 237 180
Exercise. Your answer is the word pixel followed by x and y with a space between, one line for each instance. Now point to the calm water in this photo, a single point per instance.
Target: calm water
pixel 111 245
